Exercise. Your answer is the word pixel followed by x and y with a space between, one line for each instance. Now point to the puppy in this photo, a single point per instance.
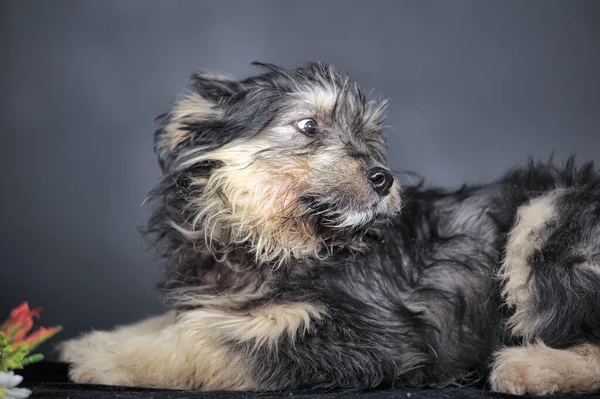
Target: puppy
pixel 294 260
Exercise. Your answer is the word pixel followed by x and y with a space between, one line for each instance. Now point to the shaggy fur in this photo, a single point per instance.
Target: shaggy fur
pixel 295 260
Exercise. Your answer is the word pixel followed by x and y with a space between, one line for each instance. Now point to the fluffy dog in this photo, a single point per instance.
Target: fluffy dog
pixel 295 260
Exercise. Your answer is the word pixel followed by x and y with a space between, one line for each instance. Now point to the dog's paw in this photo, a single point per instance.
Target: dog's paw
pixel 94 363
pixel 539 370
pixel 73 349
pixel 98 367
pixel 68 350
pixel 518 377
pixel 92 360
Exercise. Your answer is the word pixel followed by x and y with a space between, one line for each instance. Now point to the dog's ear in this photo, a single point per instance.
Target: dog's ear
pixel 214 88
pixel 202 103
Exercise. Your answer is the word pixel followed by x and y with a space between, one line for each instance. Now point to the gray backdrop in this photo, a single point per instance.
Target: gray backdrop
pixel 475 87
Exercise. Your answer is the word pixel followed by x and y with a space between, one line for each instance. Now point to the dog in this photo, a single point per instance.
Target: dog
pixel 294 259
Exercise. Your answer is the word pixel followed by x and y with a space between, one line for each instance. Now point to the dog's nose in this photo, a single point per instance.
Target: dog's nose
pixel 381 180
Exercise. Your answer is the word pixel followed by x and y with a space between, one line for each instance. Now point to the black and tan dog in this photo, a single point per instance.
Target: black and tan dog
pixel 295 260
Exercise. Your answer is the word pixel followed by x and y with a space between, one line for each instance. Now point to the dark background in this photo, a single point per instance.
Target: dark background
pixel 475 87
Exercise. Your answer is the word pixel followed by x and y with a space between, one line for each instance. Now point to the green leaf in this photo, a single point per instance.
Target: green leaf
pixel 38 357
pixel 11 334
pixel 12 358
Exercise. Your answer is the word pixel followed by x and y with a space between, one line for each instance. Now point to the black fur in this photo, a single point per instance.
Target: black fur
pixel 565 271
pixel 419 303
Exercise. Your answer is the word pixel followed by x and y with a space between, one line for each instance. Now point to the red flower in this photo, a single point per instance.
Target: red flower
pixel 20 323
pixel 37 337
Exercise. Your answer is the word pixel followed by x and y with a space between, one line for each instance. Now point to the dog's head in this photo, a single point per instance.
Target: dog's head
pixel 285 164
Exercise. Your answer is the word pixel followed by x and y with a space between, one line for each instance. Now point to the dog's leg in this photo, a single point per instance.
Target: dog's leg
pixel 552 277
pixel 205 348
pixel 529 234
pixel 72 349
pixel 275 347
pixel 539 370
pixel 176 356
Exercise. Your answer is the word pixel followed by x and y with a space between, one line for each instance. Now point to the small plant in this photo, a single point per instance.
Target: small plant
pixel 16 346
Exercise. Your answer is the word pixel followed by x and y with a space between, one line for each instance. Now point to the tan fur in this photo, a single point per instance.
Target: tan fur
pixel 189 352
pixel 539 370
pixel 73 349
pixel 193 297
pixel 528 235
pixel 190 107
pixel 318 100
pixel 251 198
pixel 264 325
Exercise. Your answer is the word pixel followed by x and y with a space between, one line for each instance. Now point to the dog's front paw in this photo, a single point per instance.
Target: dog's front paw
pixel 92 360
pixel 98 366
pixel 68 351
pixel 73 349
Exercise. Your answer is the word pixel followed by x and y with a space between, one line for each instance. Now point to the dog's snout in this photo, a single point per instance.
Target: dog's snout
pixel 381 179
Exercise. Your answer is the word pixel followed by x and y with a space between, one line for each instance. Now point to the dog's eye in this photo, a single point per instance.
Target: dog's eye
pixel 307 126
